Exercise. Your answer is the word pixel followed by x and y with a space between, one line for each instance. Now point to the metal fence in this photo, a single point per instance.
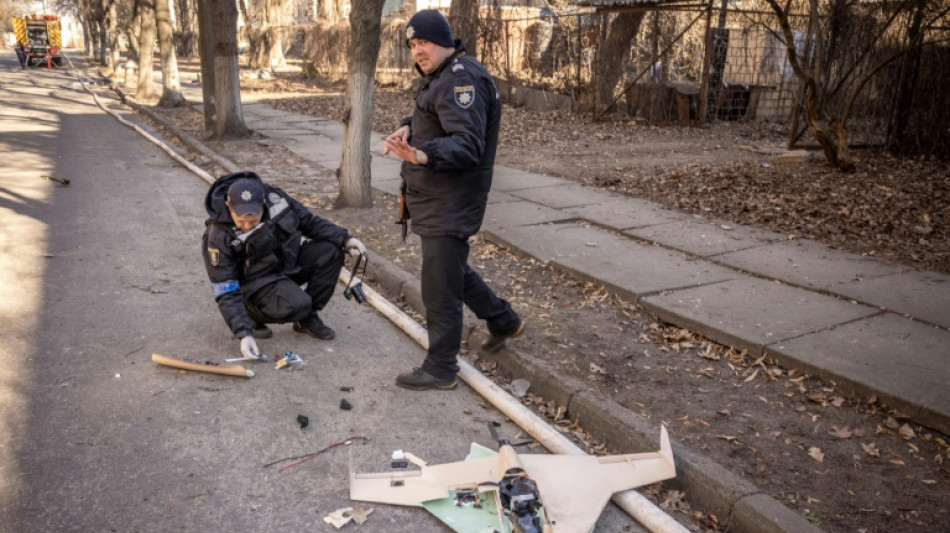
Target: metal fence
pixel 663 74
pixel 693 63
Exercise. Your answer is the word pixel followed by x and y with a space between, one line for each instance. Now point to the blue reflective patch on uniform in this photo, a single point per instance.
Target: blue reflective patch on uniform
pixel 225 287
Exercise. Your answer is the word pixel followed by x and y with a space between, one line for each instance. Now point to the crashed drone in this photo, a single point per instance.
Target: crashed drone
pixel 505 492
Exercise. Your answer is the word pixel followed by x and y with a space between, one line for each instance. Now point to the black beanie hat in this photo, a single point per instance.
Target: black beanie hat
pixel 430 25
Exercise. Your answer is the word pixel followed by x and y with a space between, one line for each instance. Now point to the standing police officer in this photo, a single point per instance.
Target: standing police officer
pixel 448 152
pixel 259 246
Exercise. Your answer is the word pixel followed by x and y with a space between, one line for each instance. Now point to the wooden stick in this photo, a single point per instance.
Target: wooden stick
pixel 229 370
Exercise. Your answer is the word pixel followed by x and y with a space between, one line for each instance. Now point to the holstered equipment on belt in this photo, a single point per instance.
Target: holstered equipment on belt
pixel 402 211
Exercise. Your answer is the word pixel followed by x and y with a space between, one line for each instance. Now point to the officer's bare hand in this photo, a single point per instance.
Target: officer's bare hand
pixel 403 151
pixel 402 133
pixel 249 348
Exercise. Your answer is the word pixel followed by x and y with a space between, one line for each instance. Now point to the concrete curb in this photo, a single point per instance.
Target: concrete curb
pixel 738 504
pixel 185 137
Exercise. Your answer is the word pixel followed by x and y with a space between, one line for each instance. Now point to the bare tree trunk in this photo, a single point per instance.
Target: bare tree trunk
pixel 331 11
pixel 103 53
pixel 463 19
pixel 112 21
pixel 834 143
pixel 96 34
pixel 229 115
pixel 269 49
pixel 244 30
pixel 907 83
pixel 132 57
pixel 188 44
pixel 355 176
pixel 144 89
pixel 185 15
pixel 206 50
pixel 86 38
pixel 85 18
pixel 620 34
pixel 171 85
pixel 242 6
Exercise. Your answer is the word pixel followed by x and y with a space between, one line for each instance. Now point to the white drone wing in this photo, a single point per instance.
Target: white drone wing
pixel 418 486
pixel 573 489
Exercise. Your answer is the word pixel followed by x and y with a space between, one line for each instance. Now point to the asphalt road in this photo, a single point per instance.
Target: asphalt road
pixel 98 275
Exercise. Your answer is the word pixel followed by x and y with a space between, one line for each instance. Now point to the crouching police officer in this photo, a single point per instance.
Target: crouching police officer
pixel 260 246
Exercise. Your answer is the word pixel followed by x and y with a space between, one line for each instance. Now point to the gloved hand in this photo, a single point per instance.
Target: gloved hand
pixel 249 348
pixel 354 247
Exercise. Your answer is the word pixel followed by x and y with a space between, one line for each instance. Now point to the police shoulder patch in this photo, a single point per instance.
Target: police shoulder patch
pixel 457 67
pixel 464 95
pixel 273 198
pixel 214 256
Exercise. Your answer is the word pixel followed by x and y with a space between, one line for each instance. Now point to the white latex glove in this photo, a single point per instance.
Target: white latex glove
pixel 249 348
pixel 354 247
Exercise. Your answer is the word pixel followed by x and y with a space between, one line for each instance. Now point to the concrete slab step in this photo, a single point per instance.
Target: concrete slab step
pixel 922 295
pixel 703 238
pixel 622 264
pixel 807 263
pixel 905 363
pixel 750 313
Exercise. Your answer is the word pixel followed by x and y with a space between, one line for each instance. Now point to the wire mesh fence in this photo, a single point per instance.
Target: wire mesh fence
pixel 692 62
pixel 662 70
pixel 750 77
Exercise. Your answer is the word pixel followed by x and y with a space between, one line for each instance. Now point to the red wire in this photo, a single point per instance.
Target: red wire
pixel 314 454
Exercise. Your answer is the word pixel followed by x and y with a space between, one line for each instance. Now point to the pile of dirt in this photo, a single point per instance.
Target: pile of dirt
pixel 845 463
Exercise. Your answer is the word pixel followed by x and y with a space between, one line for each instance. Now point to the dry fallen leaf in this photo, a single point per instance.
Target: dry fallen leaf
pixel 871 449
pixel 818 398
pixel 843 433
pixel 816 454
pixel 907 432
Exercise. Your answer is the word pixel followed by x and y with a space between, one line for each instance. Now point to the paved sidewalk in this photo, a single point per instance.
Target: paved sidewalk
pixel 874 328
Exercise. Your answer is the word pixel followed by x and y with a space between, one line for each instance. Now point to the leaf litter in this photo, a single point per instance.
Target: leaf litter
pixel 748 414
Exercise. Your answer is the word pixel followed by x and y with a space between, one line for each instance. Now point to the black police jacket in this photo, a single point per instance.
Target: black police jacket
pixel 455 122
pixel 239 264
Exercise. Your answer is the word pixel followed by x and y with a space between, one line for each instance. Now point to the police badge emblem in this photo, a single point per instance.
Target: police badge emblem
pixel 464 96
pixel 273 198
pixel 214 256
pixel 410 31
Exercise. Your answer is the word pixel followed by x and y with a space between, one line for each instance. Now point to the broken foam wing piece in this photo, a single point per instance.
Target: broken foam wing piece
pixel 542 493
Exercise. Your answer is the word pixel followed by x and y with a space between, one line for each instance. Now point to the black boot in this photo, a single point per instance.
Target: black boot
pixel 419 379
pixel 313 326
pixel 496 342
pixel 261 331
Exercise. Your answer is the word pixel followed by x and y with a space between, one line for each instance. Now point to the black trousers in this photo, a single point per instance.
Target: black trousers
pixel 285 301
pixel 448 282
